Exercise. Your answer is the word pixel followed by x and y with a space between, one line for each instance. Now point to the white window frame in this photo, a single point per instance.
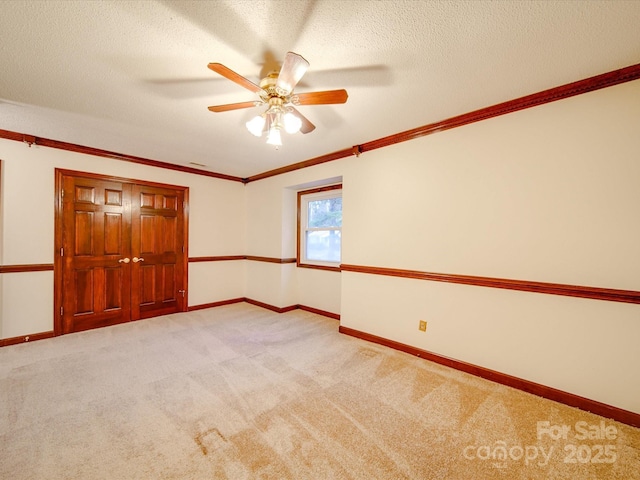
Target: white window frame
pixel 304 197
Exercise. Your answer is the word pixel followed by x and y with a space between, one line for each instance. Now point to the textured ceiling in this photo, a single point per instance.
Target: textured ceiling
pixel 132 76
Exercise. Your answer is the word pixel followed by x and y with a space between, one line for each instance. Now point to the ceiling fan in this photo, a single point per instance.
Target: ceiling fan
pixel 276 93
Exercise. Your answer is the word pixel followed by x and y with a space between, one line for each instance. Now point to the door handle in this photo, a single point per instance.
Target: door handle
pixel 124 260
pixel 136 259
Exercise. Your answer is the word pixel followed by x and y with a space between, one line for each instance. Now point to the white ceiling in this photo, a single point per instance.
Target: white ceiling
pixel 132 77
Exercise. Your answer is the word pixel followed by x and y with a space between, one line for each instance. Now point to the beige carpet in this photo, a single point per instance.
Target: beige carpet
pixel 240 392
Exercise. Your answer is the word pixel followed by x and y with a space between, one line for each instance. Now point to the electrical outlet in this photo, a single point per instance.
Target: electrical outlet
pixel 423 326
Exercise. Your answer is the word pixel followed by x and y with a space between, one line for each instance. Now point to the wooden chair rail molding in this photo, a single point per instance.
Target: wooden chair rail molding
pixel 608 294
pixel 270 259
pixel 43 267
pixel 253 258
pixel 612 295
pixel 36 267
pixel 218 258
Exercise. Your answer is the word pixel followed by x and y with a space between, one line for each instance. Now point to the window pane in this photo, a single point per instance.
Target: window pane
pixel 323 245
pixel 325 213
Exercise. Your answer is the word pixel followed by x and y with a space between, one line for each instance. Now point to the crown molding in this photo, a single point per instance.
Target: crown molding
pixel 587 85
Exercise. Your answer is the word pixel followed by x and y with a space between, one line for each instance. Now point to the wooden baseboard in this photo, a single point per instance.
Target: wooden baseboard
pixel 202 306
pixel 26 338
pixel 273 308
pixel 317 311
pixel 39 336
pixel 550 393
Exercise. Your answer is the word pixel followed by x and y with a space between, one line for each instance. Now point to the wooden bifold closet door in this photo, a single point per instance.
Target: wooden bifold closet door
pixel 121 251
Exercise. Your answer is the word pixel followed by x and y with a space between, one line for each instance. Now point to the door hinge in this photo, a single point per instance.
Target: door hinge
pixel 61 311
pixel 62 252
pixel 183 249
pixel 62 193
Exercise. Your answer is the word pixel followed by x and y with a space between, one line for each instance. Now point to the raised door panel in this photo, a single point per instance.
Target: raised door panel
pixel 83 282
pixel 83 235
pixel 147 285
pixel 113 292
pixel 113 226
pixel 168 290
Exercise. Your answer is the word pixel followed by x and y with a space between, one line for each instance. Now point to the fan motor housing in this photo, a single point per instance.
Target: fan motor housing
pixel 268 84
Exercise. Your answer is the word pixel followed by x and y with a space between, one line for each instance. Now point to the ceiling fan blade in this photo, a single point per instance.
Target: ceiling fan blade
pixel 320 98
pixel 234 77
pixel 293 68
pixel 307 126
pixel 233 106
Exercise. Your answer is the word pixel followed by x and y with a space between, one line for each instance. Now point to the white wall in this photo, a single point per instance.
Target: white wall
pixel 547 194
pixel 320 289
pixel 271 232
pixel 27 303
pixel 216 227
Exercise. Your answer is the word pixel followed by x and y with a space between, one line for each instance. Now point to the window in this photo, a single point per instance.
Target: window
pixel 320 227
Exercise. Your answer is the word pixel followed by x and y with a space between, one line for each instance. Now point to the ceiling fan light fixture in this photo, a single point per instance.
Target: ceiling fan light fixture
pixel 276 93
pixel 256 125
pixel 274 138
pixel 292 123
